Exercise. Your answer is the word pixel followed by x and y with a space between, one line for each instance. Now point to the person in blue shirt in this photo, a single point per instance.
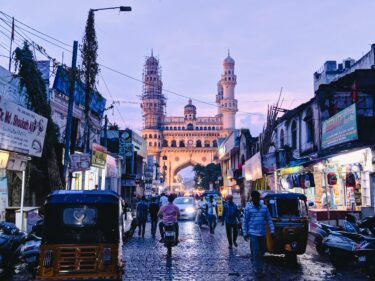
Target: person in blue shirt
pixel 142 212
pixel 231 218
pixel 256 218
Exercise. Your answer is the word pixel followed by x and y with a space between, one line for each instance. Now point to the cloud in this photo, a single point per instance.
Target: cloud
pixel 252 122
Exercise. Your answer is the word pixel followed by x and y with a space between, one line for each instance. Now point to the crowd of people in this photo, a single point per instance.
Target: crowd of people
pixel 256 218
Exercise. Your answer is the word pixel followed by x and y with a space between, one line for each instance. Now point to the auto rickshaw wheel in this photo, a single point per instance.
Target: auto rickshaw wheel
pixel 337 260
pixel 291 258
pixel 320 249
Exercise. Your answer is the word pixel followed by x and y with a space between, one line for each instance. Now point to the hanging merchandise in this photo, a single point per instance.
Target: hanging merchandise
pixel 350 180
pixel 309 180
pixel 331 178
pixel 302 181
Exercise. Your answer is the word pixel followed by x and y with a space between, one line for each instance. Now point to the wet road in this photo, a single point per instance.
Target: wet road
pixel 202 256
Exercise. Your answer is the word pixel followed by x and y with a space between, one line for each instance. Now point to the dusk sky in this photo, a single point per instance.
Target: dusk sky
pixel 274 43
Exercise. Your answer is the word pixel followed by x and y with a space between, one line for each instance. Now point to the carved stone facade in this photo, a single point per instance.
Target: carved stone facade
pixel 178 142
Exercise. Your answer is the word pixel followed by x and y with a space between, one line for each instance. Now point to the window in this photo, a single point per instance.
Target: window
pixel 209 128
pixel 150 144
pixel 282 139
pixel 293 129
pixel 165 143
pixel 205 128
pixel 175 128
pixel 309 123
pixel 150 136
pixel 206 143
pixel 197 128
pixel 173 144
pixel 155 136
pixel 179 128
pixel 190 127
pixel 198 143
pixel 182 143
pixel 80 216
pixel 155 144
pixel 214 143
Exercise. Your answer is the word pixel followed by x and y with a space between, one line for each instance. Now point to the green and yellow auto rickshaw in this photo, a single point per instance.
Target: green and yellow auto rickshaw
pixel 289 214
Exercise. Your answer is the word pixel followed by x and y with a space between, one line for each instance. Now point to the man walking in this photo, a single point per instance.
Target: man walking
pixel 154 209
pixel 254 226
pixel 142 211
pixel 231 218
pixel 211 214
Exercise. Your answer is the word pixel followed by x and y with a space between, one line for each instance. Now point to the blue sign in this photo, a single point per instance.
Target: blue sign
pixel 61 84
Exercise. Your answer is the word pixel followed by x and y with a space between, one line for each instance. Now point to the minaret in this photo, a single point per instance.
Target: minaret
pixel 228 103
pixel 153 106
pixel 219 97
pixel 190 111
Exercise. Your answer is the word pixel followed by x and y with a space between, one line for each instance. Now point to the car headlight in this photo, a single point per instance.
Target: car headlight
pixel 190 210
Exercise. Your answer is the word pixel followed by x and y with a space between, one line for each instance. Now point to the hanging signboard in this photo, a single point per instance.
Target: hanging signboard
pixel 98 156
pixel 17 162
pixel 253 168
pixel 21 130
pixel 79 162
pixel 112 171
pixel 3 194
pixel 340 128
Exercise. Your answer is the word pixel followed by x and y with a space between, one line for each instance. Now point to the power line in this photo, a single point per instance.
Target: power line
pixel 104 66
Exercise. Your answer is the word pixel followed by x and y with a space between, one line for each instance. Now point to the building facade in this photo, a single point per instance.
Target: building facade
pixel 176 142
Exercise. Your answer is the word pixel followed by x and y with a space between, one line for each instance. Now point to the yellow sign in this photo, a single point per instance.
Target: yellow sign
pixel 4 156
pixel 98 157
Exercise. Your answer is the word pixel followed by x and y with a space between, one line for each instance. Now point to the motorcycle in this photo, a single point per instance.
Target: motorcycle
pixel 27 254
pixel 170 236
pixel 348 247
pixel 202 216
pixel 10 239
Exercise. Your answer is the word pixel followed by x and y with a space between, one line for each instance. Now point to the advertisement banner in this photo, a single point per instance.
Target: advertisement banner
pixel 112 171
pixel 21 130
pixel 98 156
pixel 253 168
pixel 340 128
pixel 269 163
pixel 4 156
pixel 79 162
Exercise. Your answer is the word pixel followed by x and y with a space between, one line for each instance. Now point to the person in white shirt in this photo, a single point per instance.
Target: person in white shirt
pixel 211 214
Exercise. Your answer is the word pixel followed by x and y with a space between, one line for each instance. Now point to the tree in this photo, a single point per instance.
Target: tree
pixel 113 126
pixel 206 174
pixel 90 69
pixel 44 172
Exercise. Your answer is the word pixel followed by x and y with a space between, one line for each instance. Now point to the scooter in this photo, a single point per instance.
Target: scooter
pixel 322 230
pixel 170 236
pixel 347 247
pixel 10 239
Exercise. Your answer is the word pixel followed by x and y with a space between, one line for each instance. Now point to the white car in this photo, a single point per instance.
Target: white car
pixel 187 207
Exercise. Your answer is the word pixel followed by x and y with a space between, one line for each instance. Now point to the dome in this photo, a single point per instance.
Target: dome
pixel 151 60
pixel 190 105
pixel 228 60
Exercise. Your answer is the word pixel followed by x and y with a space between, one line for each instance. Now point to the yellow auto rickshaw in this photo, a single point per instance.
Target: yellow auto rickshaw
pixel 290 216
pixel 82 236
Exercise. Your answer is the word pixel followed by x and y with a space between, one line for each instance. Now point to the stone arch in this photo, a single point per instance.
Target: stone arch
pixel 182 166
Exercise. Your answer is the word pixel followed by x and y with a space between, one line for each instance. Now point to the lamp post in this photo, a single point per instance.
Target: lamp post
pixel 120 8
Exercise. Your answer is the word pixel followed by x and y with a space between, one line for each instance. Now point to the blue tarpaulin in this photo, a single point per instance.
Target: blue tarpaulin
pixel 61 84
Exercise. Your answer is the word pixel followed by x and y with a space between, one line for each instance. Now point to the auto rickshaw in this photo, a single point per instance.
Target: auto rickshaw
pixel 217 198
pixel 290 216
pixel 82 236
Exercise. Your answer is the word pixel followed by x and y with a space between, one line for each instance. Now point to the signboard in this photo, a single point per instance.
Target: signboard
pixel 4 156
pixel 21 130
pixel 112 171
pixel 3 194
pixel 61 84
pixel 99 156
pixel 253 168
pixel 79 162
pixel 340 128
pixel 269 163
pixel 17 162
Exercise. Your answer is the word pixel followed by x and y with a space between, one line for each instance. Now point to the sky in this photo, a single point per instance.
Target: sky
pixel 276 44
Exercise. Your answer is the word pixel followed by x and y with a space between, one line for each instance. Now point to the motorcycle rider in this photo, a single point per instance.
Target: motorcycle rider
pixel 169 213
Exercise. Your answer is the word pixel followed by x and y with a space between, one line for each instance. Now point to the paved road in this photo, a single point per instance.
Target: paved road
pixel 202 256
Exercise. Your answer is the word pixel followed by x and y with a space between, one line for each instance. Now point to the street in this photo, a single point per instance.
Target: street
pixel 202 256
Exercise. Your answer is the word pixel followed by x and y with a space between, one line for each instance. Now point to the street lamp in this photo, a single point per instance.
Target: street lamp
pixel 120 8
